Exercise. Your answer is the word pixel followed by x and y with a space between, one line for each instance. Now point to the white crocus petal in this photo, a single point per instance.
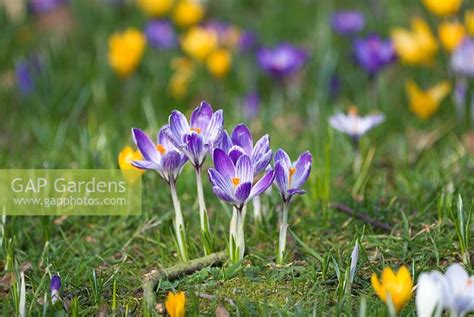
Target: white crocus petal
pixel 459 290
pixel 354 125
pixel 429 294
pixel 354 258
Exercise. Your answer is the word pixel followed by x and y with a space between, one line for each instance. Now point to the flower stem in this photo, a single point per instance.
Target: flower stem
pixel 257 209
pixel 204 219
pixel 283 230
pixel 180 230
pixel 236 237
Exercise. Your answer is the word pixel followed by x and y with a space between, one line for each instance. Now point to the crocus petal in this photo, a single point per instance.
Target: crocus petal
pixel 281 177
pixel 145 165
pixel 281 155
pixel 223 164
pixel 235 152
pixel 429 294
pixel 201 116
pixel 261 147
pixel 242 137
pixel 218 180
pixel 243 169
pixel 145 146
pixel 178 124
pixel 242 192
pixel 174 139
pixel 292 192
pixel 225 142
pixel 195 147
pixel 262 163
pixel 172 164
pixel 263 184
pixel 222 195
pixel 303 169
pixel 163 138
pixel 214 128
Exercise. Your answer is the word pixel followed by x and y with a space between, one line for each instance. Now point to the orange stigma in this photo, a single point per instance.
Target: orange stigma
pixel 353 111
pixel 235 181
pixel 291 172
pixel 160 148
pixel 197 130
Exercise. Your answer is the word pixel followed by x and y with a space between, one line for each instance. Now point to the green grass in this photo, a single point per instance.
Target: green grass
pixel 80 117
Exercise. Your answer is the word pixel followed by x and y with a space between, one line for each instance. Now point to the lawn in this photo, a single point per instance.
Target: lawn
pixel 408 202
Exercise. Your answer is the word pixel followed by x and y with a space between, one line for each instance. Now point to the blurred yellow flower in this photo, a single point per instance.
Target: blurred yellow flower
pixel 451 35
pixel 199 43
pixel 188 12
pixel 219 62
pixel 469 21
pixel 155 8
pixel 175 304
pixel 398 286
pixel 443 7
pixel 126 51
pixel 415 46
pixel 183 70
pixel 425 103
pixel 125 158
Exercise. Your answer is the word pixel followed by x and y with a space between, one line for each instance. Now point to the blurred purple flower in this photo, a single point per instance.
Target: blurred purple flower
pixel 161 34
pixel 55 286
pixel 247 41
pixel 373 54
pixel 25 73
pixel 163 157
pixel 40 6
pixel 283 60
pixel 234 182
pixel 291 176
pixel 241 142
pixel 462 59
pixel 347 22
pixel 251 105
pixel 334 86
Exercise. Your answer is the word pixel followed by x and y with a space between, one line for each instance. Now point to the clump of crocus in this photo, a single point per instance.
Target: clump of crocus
pixel 125 158
pixel 55 286
pixel 187 13
pixel 167 161
pixel 289 178
pixel 417 46
pixel 395 289
pixel 282 61
pixel 453 291
pixel 126 51
pixel 425 103
pixel 443 7
pixel 347 22
pixel 451 35
pixel 233 182
pixel 155 8
pixel 196 140
pixel 175 304
pixel 161 34
pixel 373 54
pixel 355 127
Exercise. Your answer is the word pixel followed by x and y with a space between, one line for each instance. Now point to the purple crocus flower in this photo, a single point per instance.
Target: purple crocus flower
pixel 462 59
pixel 161 34
pixel 163 157
pixel 197 138
pixel 25 73
pixel 251 105
pixel 347 22
pixel 373 54
pixel 234 182
pixel 54 287
pixel 241 142
pixel 282 60
pixel 247 41
pixel 291 176
pixel 41 6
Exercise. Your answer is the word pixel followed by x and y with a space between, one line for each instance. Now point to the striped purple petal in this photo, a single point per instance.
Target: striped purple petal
pixel 262 163
pixel 281 155
pixel 214 128
pixel 244 169
pixel 218 180
pixel 242 137
pixel 281 177
pixel 263 184
pixel 225 142
pixel 145 165
pixel 178 124
pixel 303 169
pixel 223 164
pixel 201 116
pixel 222 195
pixel 242 192
pixel 235 152
pixel 195 147
pixel 145 146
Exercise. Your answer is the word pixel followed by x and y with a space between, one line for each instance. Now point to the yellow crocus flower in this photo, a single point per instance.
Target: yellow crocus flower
pixel 125 158
pixel 451 35
pixel 398 286
pixel 416 46
pixel 126 51
pixel 469 21
pixel 425 103
pixel 443 7
pixel 183 70
pixel 219 62
pixel 155 8
pixel 175 304
pixel 199 43
pixel 187 13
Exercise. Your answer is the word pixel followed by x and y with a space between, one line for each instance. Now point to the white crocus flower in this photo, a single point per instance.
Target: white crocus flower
pixel 459 290
pixel 354 125
pixel 429 294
